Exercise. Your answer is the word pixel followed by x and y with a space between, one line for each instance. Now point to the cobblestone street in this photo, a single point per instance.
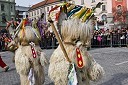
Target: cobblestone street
pixel 114 61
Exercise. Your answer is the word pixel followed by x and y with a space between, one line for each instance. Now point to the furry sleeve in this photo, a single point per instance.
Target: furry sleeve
pixel 95 71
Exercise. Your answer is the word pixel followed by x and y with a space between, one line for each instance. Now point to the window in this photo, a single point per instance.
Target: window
pixel 2 7
pixel 35 12
pixel 104 17
pixel 103 8
pixel 73 2
pixel 82 2
pixel 31 13
pixel 11 8
pixel 42 10
pixel 47 9
pixel 3 18
pixel 93 1
pixel 51 7
pixel 39 11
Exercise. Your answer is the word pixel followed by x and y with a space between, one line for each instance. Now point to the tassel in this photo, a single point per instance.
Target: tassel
pixel 86 15
pixel 80 13
pixel 76 9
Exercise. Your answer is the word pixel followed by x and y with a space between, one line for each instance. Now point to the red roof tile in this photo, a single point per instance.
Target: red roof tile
pixel 43 3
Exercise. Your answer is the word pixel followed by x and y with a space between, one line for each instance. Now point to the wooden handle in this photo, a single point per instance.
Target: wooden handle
pixel 59 39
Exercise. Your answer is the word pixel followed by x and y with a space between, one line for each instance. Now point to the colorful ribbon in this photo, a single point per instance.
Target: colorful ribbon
pixel 76 11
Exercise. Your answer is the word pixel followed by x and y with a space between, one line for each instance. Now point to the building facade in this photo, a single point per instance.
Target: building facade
pixel 119 11
pixel 36 10
pixel 21 12
pixel 106 14
pixel 7 11
pixel 44 7
pixel 111 13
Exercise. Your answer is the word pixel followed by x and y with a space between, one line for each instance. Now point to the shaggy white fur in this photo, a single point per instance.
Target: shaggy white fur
pixel 29 35
pixel 76 34
pixel 24 60
pixel 58 69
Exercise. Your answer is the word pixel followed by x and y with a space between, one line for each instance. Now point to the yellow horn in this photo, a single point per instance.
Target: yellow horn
pixel 86 15
pixel 79 13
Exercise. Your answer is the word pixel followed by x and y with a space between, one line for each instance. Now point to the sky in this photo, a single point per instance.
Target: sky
pixel 29 2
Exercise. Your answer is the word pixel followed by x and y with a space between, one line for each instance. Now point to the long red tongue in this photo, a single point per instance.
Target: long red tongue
pixel 33 52
pixel 80 63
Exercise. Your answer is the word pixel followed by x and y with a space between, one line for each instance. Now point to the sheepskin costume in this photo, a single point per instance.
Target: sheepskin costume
pixel 29 58
pixel 75 36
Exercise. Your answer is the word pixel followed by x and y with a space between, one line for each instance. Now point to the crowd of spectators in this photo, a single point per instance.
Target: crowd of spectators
pixel 111 37
pixel 4 39
pixel 101 38
pixel 49 41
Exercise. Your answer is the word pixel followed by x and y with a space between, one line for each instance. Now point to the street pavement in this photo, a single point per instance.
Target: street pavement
pixel 113 60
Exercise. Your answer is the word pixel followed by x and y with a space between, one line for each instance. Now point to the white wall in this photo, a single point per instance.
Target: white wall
pixel 109 6
pixel 53 14
pixel 87 3
pixel 36 13
pixel 127 4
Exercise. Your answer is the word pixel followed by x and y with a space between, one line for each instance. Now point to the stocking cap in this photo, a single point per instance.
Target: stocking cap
pixel 22 27
pixel 76 11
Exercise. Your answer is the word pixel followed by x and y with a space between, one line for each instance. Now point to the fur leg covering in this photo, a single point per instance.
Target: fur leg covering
pixel 73 31
pixel 23 55
pixel 95 71
pixel 58 68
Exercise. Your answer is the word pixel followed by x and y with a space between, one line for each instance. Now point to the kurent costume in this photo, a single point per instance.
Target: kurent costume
pixel 75 32
pixel 29 58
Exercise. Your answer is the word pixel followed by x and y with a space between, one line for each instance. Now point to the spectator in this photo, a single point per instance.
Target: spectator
pixel 99 38
pixel 113 37
pixel 123 37
pixel 107 33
